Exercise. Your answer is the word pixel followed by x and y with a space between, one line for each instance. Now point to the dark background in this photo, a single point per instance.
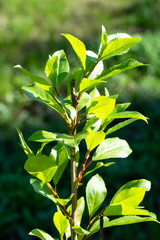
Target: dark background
pixel 29 32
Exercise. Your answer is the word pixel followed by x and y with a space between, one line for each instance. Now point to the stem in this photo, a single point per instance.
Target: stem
pixel 91 70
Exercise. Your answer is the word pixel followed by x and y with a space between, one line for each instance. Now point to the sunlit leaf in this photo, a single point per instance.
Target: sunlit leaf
pixel 80 230
pixel 93 68
pixel 60 222
pixel 127 65
pixel 87 84
pixel 112 148
pixel 128 114
pixel 102 106
pixel 24 145
pixel 95 194
pixel 41 234
pixel 78 47
pixel 104 41
pixel 41 167
pixel 99 165
pixel 94 139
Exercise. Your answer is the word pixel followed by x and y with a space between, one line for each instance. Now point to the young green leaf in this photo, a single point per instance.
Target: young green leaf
pixel 104 41
pixel 128 220
pixel 99 165
pixel 95 194
pixel 128 114
pixel 93 67
pixel 87 84
pixel 112 148
pixel 41 234
pixel 59 154
pixel 42 136
pixel 78 47
pixel 57 67
pixel 42 167
pixel 41 82
pixel 24 145
pixel 61 223
pixel 99 104
pixel 119 46
pixel 125 66
pixel 80 230
pixel 94 139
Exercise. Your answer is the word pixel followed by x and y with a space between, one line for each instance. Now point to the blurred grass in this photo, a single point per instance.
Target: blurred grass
pixel 29 32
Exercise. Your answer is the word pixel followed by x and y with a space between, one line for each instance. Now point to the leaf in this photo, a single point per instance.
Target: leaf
pixel 60 222
pixel 112 148
pixel 24 145
pixel 119 46
pixel 127 65
pixel 59 154
pixel 98 165
pixel 94 139
pixel 78 47
pixel 140 183
pixel 124 209
pixel 128 114
pixel 57 67
pixel 87 84
pixel 41 82
pixel 41 234
pixel 93 68
pixel 102 106
pixel 96 226
pixel 128 220
pixel 41 167
pixel 36 93
pixel 95 194
pixel 77 75
pixel 120 125
pixel 41 188
pixel 85 98
pixel 44 136
pixel 80 230
pixel 104 41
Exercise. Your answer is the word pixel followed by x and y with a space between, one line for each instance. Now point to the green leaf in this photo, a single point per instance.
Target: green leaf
pixel 102 106
pixel 87 84
pixel 128 114
pixel 124 209
pixel 36 93
pixel 128 220
pixel 41 234
pixel 77 75
pixel 119 46
pixel 120 125
pixel 104 41
pixel 41 167
pixel 80 230
pixel 96 226
pixel 85 98
pixel 61 223
pixel 95 194
pixel 57 67
pixel 41 82
pixel 44 136
pixel 112 148
pixel 94 139
pixel 93 68
pixel 127 65
pixel 78 47
pixel 24 145
pixel 42 189
pixel 59 154
pixel 140 183
pixel 99 165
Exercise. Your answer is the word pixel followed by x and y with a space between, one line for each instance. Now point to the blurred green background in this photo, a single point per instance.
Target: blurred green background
pixel 29 32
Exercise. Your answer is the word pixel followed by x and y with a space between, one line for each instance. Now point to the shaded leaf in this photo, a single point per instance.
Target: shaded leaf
pixel 95 194
pixel 93 68
pixel 112 148
pixel 24 145
pixel 99 165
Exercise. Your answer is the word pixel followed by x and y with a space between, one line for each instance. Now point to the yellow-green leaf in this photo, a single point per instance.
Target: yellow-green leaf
pixel 94 139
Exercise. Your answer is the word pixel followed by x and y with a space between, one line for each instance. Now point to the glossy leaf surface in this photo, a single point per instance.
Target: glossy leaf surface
pixel 41 167
pixel 41 234
pixel 95 194
pixel 112 148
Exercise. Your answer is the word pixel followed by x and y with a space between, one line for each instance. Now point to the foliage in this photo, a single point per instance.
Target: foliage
pixel 95 113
